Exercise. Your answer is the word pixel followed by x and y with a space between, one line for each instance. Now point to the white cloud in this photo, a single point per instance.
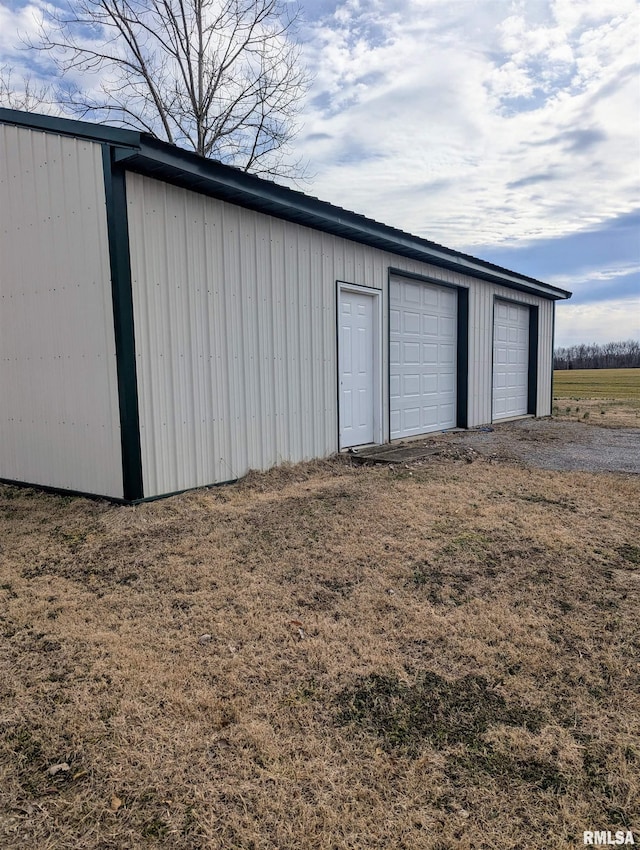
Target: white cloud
pixel 594 275
pixel 472 124
pixel 17 26
pixel 608 321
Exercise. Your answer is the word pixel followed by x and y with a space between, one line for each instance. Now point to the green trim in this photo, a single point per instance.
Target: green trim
pixel 462 365
pixel 118 231
pixel 532 372
pixel 60 491
pixel 553 346
pixel 336 290
pixel 114 500
pixel 70 127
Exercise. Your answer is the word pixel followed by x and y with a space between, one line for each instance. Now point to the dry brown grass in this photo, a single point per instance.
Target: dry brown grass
pixel 601 412
pixel 609 398
pixel 442 655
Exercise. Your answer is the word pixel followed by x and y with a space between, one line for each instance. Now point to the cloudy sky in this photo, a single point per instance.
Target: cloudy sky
pixel 509 130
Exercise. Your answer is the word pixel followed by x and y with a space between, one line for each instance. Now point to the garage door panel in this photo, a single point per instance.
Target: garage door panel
pixel 394 321
pixel 428 296
pixel 410 418
pixel 430 416
pixel 429 325
pixel 446 327
pixel 423 399
pixel 448 298
pixel 429 384
pixel 446 384
pixel 510 360
pixel 410 322
pixel 430 353
pixel 449 411
pixel 410 354
pixel 411 385
pixel 410 297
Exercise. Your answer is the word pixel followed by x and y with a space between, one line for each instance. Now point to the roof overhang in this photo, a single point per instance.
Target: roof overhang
pixel 146 155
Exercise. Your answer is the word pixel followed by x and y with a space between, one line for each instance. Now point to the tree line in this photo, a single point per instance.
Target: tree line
pixel 611 355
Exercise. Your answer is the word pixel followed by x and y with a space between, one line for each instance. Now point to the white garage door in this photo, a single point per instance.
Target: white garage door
pixel 422 357
pixel 510 360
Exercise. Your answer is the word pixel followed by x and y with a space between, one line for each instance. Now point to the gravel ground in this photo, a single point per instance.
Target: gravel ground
pixel 549 444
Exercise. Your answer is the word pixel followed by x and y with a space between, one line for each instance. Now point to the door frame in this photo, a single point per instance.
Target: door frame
pixel 376 294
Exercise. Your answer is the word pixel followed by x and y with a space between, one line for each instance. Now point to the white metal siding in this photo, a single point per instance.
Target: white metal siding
pixel 59 419
pixel 545 357
pixel 235 338
pixel 235 322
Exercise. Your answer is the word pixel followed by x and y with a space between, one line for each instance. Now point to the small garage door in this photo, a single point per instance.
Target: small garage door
pixel 510 360
pixel 422 357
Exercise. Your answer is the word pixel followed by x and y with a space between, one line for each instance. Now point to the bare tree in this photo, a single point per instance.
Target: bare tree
pixel 612 355
pixel 222 77
pixel 25 93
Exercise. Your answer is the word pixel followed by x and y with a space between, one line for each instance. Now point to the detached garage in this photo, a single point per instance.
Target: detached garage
pixel 168 322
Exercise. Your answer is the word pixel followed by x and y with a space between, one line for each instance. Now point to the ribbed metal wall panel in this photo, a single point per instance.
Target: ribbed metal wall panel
pixel 59 415
pixel 545 358
pixel 235 323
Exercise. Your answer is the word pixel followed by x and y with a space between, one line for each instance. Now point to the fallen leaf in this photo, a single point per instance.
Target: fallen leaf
pixel 58 768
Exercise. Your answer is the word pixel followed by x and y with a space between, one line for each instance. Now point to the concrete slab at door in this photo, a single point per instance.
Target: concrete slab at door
pixel 510 360
pixel 356 368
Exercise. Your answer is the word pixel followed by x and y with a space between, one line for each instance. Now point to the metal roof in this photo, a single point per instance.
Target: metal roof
pixel 147 155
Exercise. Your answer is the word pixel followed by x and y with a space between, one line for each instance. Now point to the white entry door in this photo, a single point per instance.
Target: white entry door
pixel 510 360
pixel 357 364
pixel 422 357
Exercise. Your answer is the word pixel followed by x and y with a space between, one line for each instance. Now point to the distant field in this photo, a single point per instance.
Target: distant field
pixel 609 398
pixel 597 383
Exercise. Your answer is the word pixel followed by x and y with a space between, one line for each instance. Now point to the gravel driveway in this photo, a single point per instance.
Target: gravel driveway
pixel 550 444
